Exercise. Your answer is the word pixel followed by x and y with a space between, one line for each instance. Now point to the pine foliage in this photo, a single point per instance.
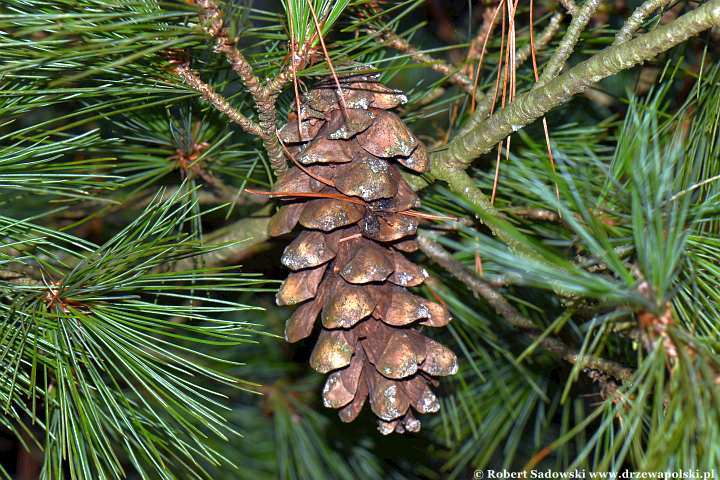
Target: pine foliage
pixel 138 335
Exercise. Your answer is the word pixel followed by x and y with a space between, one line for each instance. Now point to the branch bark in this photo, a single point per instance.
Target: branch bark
pixel 637 18
pixel 569 6
pixel 490 21
pixel 532 105
pixel 567 45
pixel 542 40
pixel 213 22
pixel 216 100
pixel 449 164
pixel 252 232
pixel 454 75
pixel 443 258
pixel 264 96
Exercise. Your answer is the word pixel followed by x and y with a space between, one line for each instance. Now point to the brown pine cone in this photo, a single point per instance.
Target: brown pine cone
pixel 347 264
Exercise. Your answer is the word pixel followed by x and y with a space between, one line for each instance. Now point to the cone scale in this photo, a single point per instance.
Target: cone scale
pixel 348 270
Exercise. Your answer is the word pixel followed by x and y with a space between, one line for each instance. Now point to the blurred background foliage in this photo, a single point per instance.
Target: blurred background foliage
pixel 116 178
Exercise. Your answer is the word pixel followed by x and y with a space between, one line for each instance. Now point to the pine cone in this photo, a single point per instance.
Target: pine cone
pixel 347 262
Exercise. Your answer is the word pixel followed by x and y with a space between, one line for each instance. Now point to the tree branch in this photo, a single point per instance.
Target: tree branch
pixel 567 45
pixel 448 165
pixel 274 86
pixel 18 277
pixel 571 355
pixel 635 21
pixel 543 39
pixel 251 232
pixel 490 21
pixel 462 184
pixel 216 100
pixel 212 18
pixel 443 258
pixel 569 6
pixel 539 214
pixel 264 96
pixel 393 40
pixel 532 105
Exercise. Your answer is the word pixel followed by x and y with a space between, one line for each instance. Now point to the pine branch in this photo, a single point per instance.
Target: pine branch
pixel 275 85
pixel 264 95
pixel 115 365
pixel 542 40
pixel 17 277
pixel 539 214
pixel 441 256
pixel 569 6
pixel 637 18
pixel 449 164
pixel 490 21
pixel 453 74
pixel 461 183
pixel 213 22
pixel 248 236
pixel 216 100
pixel 567 45
pixel 530 106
